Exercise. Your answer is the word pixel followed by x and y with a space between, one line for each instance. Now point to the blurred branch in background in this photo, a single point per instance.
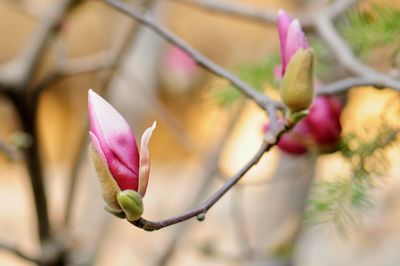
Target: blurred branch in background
pixel 15 79
pixel 8 150
pixel 17 252
pixel 262 100
pixel 346 57
pixel 267 16
pixel 17 74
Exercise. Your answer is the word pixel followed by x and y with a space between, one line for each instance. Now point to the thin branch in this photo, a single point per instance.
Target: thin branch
pixel 261 100
pixel 338 8
pixel 14 250
pixel 150 226
pixel 211 165
pixel 344 85
pixel 202 210
pixel 258 14
pixel 234 9
pixel 346 57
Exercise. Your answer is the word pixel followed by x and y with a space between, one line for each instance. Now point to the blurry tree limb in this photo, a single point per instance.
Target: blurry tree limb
pixel 76 66
pixel 15 76
pixel 15 79
pixel 337 8
pixel 86 64
pixel 346 57
pixel 27 115
pixel 17 252
pixel 260 99
pixel 18 73
pixel 266 16
pixel 345 84
pixel 8 150
pixel 234 9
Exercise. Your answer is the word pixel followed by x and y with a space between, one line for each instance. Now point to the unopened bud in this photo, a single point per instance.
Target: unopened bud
pixel 131 203
pixel 297 90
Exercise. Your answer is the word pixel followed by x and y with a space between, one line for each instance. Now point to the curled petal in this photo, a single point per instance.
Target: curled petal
pixel 295 40
pixel 144 166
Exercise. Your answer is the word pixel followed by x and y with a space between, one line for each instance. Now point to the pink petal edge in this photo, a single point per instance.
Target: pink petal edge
pixel 283 23
pixel 295 40
pixel 144 165
pixel 97 146
pixel 113 132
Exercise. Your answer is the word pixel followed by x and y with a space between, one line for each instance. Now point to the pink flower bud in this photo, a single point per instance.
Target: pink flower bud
pixel 321 128
pixel 291 38
pixel 115 143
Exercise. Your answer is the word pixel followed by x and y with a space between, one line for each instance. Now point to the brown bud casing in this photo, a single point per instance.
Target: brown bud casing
pixel 109 187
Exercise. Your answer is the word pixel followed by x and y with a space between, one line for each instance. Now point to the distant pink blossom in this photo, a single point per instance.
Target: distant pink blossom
pixel 179 72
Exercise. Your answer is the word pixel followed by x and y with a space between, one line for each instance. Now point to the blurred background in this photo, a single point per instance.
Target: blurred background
pixel 206 132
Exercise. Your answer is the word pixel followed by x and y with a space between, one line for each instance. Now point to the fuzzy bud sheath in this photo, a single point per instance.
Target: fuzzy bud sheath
pixel 297 89
pixel 109 187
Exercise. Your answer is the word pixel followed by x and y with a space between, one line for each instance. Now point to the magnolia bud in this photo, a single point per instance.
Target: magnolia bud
pixel 297 90
pixel 109 187
pixel 132 204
